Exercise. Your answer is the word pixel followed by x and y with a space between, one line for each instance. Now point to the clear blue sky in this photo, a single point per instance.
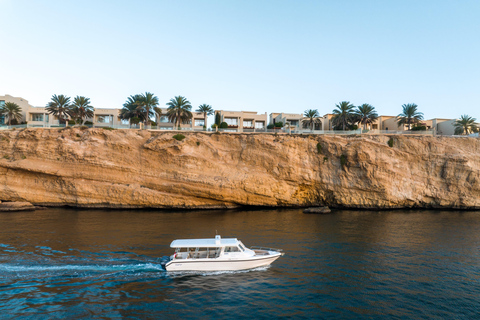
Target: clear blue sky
pixel 265 56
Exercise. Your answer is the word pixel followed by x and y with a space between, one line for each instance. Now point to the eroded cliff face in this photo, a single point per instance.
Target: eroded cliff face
pixel 130 168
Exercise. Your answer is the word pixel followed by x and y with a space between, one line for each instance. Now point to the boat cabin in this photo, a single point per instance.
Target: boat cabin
pixel 207 248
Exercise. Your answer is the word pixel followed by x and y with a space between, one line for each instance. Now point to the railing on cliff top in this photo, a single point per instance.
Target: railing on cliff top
pixel 292 130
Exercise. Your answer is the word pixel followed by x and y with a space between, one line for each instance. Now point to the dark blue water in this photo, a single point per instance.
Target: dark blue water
pixel 63 263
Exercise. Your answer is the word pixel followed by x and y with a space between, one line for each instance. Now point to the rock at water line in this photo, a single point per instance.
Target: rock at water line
pixel 317 210
pixel 16 206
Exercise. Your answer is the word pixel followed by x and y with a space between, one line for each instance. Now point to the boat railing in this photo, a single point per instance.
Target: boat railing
pixel 265 248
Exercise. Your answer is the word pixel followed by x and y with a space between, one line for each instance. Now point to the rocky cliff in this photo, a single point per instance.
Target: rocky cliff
pixel 130 168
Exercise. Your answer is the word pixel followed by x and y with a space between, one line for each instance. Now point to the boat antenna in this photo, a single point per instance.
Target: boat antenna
pixel 216 232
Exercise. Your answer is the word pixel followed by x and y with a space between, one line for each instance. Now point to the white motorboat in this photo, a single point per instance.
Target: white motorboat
pixel 217 254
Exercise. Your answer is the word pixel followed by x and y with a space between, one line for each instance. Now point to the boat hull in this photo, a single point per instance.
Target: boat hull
pixel 220 264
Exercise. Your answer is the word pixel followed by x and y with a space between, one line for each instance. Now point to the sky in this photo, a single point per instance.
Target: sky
pixel 251 55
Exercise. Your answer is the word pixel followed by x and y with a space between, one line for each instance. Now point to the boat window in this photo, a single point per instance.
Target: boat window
pixel 213 252
pixel 232 249
pixel 242 246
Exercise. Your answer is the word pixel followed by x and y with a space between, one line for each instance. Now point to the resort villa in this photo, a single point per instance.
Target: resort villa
pixel 243 121
pixel 237 121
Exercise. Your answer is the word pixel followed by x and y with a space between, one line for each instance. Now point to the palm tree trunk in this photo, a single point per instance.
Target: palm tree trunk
pixel 205 120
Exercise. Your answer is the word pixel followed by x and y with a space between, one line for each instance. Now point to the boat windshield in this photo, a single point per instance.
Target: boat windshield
pixel 242 246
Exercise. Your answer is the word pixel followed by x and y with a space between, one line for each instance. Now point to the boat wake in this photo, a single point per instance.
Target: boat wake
pixel 149 269
pixel 94 267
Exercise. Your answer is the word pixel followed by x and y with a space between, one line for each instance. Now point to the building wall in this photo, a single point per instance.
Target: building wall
pixel 327 121
pixel 294 119
pixel 444 126
pixel 390 123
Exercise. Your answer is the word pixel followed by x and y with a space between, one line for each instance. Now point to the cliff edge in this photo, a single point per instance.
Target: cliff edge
pixel 139 169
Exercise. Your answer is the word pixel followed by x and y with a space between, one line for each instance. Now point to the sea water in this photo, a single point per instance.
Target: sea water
pixel 68 263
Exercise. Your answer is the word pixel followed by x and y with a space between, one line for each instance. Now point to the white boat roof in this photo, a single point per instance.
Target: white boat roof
pixel 212 242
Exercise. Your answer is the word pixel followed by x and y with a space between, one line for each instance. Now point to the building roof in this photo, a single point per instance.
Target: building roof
pixel 193 243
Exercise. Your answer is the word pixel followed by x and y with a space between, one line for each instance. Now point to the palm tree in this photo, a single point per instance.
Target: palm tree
pixel 147 102
pixel 366 114
pixel 59 106
pixel 207 110
pixel 132 109
pixel 179 110
pixel 81 109
pixel 12 111
pixel 344 114
pixel 312 115
pixel 465 125
pixel 409 115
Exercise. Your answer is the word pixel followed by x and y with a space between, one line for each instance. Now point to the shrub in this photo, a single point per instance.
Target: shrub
pixel 270 126
pixel 343 160
pixel 78 135
pixel 23 157
pixel 419 128
pixel 214 125
pixel 153 123
pixel 218 120
pixel 179 137
pixel 198 143
pixel 279 124
pixel 325 159
pixel 351 127
pixel 390 142
pixel 135 120
pixel 6 157
pixel 319 148
pixel 88 123
pixel 83 128
pixel 71 122
pixel 223 125
pixel 108 128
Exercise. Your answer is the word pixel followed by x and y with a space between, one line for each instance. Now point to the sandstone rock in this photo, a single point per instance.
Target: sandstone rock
pixel 140 169
pixel 16 206
pixel 317 210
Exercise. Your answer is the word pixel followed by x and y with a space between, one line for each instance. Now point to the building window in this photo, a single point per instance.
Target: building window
pixel 231 121
pixel 103 119
pixel 125 121
pixel 2 117
pixel 259 125
pixel 37 116
pixel 293 123
pixel 199 122
pixel 247 123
